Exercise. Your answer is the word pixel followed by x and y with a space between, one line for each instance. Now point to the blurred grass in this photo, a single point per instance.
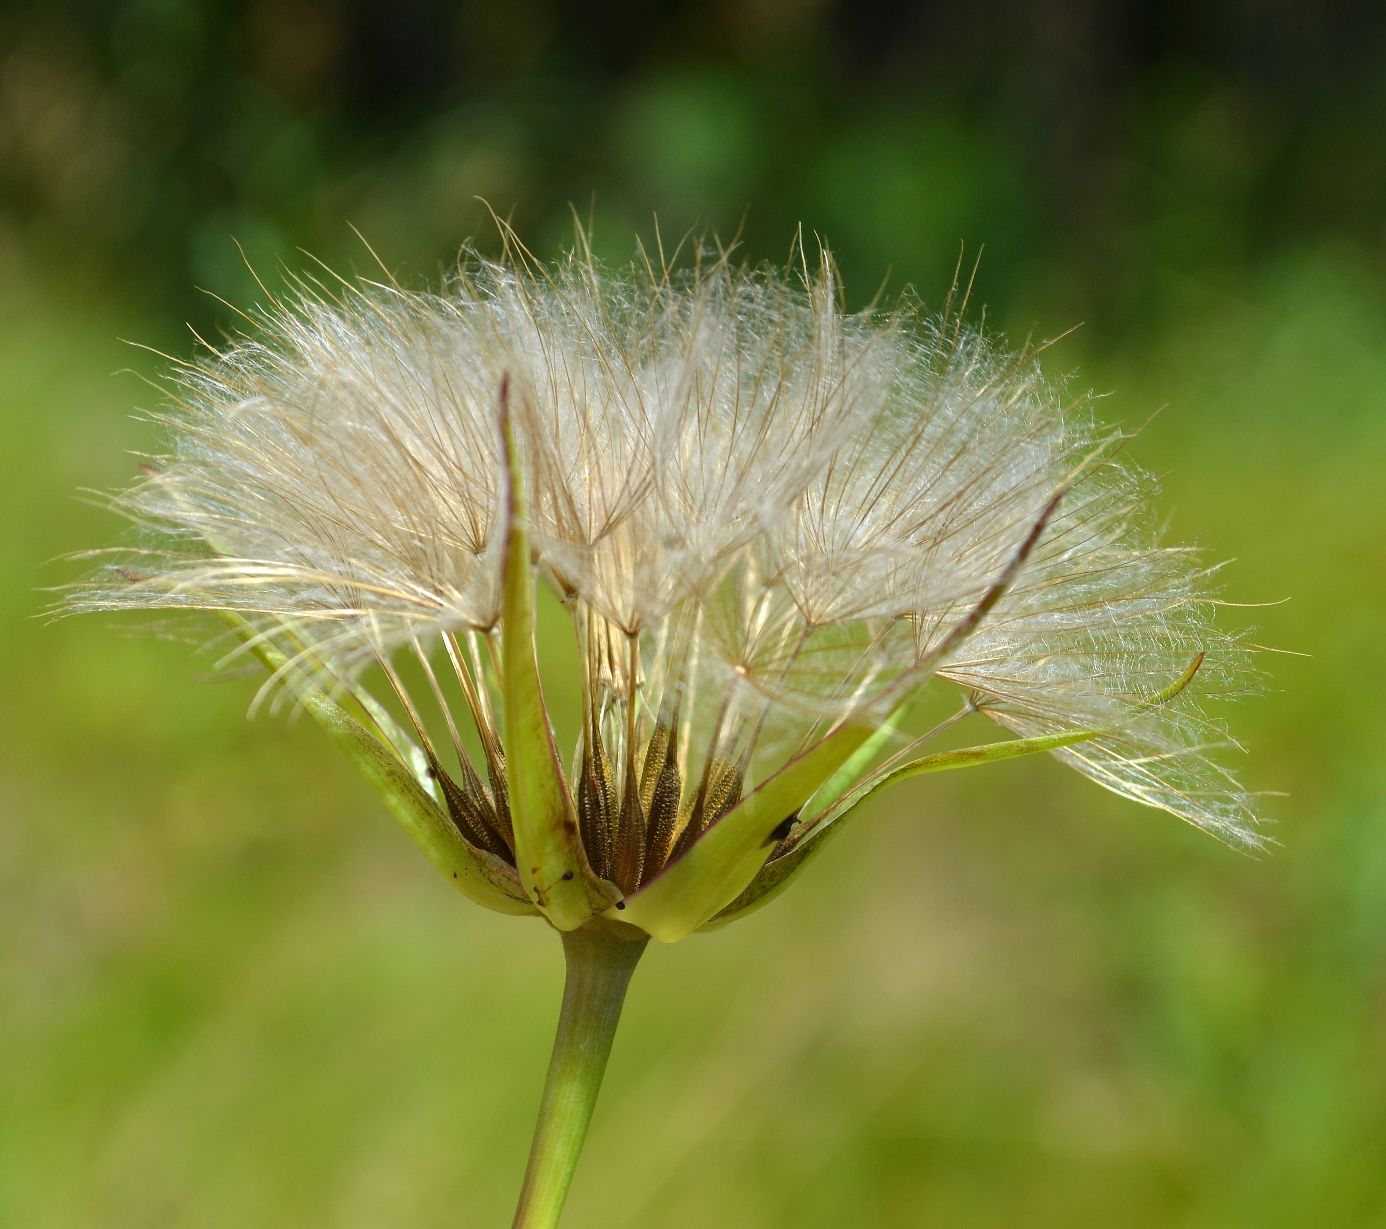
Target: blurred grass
pixel 231 993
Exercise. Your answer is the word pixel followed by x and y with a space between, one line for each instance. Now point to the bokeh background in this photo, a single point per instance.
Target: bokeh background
pixel 232 994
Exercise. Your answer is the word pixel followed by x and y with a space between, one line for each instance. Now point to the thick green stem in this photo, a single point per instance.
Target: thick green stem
pixel 600 961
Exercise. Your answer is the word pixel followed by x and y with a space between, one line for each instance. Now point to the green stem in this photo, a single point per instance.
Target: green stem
pixel 600 960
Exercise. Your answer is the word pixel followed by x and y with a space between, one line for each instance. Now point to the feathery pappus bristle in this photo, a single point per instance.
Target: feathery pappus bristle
pixel 766 518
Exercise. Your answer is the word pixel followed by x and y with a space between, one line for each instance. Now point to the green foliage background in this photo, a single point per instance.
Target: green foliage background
pixel 231 994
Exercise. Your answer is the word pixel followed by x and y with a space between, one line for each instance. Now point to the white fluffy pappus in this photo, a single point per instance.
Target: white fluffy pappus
pixel 766 516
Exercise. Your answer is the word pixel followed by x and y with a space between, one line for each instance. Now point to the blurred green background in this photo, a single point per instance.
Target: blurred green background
pixel 232 994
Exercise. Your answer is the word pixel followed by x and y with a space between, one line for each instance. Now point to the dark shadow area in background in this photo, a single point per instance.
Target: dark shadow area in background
pixel 1090 143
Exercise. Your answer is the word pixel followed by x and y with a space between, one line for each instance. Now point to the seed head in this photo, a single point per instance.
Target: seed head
pixel 772 524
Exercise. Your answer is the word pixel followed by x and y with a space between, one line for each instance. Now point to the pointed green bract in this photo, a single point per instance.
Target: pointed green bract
pixel 777 875
pixel 970 757
pixel 727 856
pixel 476 873
pixel 549 853
pixel 856 765
pixel 1170 692
pixel 773 878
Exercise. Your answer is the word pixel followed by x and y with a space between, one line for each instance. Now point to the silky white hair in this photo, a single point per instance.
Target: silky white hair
pixel 764 514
